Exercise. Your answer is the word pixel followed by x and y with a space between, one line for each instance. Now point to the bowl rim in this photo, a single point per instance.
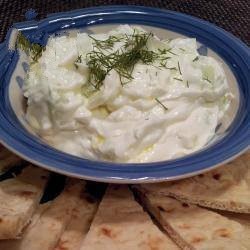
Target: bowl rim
pixel 189 165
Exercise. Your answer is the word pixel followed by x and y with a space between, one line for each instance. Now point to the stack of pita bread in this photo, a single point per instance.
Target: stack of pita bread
pixel 208 211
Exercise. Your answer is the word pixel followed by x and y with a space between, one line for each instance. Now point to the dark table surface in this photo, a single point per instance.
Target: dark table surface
pixel 232 15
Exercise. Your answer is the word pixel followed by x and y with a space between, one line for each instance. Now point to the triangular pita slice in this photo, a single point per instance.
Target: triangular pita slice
pixel 193 227
pixel 15 243
pixel 48 226
pixel 225 188
pixel 121 223
pixel 8 160
pixel 19 197
pixel 81 218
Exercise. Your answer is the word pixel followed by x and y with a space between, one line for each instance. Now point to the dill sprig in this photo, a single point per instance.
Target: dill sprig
pixel 97 71
pixel 178 79
pixel 196 59
pixel 78 60
pixel 106 44
pixel 170 68
pixel 179 68
pixel 165 51
pixel 122 60
pixel 205 78
pixel 164 107
pixel 34 50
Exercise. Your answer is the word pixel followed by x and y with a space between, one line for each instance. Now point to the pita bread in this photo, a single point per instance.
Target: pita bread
pixel 193 227
pixel 19 197
pixel 47 228
pixel 14 244
pixel 121 223
pixel 225 188
pixel 82 216
pixel 8 160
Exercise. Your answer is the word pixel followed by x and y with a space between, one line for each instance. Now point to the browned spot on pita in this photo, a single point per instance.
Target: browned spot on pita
pixel 75 210
pixel 197 239
pixel 74 216
pixel 184 226
pixel 232 203
pixel 185 205
pixel 154 243
pixel 223 232
pixel 68 211
pixel 201 175
pixel 43 177
pixel 61 246
pixel 27 193
pixel 107 232
pixel 217 176
pixel 1 220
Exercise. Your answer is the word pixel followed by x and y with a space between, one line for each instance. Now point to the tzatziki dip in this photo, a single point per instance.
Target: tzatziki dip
pixel 125 95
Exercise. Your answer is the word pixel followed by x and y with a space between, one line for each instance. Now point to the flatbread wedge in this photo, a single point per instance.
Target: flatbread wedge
pixel 225 188
pixel 19 197
pixel 81 218
pixel 16 243
pixel 193 227
pixel 121 223
pixel 45 231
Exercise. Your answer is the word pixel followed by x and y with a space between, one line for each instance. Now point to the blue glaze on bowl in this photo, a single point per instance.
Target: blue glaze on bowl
pixel 237 55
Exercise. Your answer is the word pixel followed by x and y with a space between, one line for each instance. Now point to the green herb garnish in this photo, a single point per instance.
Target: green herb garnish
pixel 78 60
pixel 165 51
pixel 171 68
pixel 206 79
pixel 178 79
pixel 187 84
pixel 179 68
pixel 106 44
pixel 122 60
pixel 196 59
pixel 161 103
pixel 34 50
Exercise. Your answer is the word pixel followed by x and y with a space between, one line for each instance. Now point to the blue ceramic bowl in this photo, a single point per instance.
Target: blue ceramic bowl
pixel 15 135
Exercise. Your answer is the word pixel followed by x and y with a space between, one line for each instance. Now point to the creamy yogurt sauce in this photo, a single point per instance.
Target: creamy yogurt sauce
pixel 165 109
